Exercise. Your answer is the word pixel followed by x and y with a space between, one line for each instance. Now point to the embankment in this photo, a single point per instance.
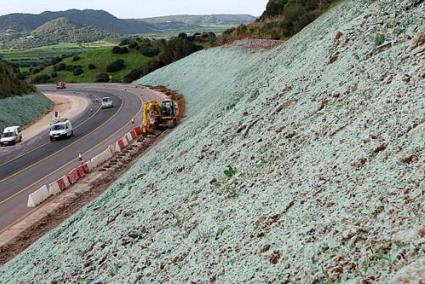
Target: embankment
pixel 22 110
pixel 300 164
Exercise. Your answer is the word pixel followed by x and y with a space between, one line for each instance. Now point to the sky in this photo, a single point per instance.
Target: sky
pixel 138 8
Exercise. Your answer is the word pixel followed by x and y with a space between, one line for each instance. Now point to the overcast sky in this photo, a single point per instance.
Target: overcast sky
pixel 138 8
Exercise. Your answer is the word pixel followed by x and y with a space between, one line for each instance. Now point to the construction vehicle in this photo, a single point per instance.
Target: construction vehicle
pixel 60 85
pixel 158 116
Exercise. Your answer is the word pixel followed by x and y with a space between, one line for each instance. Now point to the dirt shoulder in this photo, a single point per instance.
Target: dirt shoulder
pixel 68 106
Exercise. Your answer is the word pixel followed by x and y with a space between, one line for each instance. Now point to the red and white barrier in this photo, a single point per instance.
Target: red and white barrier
pixel 120 145
pixel 73 177
pixel 63 183
pixel 138 131
pixel 81 171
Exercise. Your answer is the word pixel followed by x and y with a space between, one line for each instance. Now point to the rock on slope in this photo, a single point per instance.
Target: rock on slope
pixel 300 164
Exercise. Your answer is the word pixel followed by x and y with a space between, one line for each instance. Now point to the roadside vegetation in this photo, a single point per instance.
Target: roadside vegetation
pixel 126 62
pixel 281 20
pixel 10 85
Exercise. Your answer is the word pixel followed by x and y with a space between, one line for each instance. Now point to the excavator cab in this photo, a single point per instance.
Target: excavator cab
pixel 169 109
pixel 159 116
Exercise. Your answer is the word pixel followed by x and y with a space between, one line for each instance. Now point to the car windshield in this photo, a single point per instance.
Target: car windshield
pixel 8 134
pixel 58 127
pixel 106 100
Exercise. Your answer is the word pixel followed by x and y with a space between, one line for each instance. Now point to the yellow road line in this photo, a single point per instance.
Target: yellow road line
pixel 26 188
pixel 51 155
pixel 26 153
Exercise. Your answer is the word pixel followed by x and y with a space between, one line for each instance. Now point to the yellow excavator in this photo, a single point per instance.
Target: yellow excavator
pixel 158 116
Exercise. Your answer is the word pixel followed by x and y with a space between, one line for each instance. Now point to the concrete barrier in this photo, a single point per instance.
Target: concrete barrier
pixel 38 196
pixel 133 134
pixel 129 138
pixel 54 188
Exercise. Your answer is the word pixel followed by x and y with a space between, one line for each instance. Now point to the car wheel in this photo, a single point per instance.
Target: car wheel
pixel 52 139
pixel 72 133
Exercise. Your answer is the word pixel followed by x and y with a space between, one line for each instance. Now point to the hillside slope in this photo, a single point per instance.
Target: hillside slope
pixel 57 31
pixel 203 20
pixel 19 103
pixel 301 164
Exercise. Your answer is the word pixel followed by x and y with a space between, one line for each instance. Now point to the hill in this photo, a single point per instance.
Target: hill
pixel 9 85
pixel 203 20
pixel 96 18
pixel 57 31
pixel 298 164
pixel 282 19
pixel 19 103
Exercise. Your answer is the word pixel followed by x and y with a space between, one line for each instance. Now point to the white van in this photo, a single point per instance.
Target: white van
pixel 60 128
pixel 107 103
pixel 11 136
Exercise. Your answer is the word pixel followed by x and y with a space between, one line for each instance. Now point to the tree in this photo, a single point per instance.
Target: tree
pixel 123 50
pixel 116 49
pixel 102 78
pixel 41 79
pixel 115 66
pixel 77 71
pixel 91 66
pixel 59 67
pixel 75 58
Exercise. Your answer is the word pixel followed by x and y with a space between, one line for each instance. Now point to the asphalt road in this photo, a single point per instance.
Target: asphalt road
pixel 38 161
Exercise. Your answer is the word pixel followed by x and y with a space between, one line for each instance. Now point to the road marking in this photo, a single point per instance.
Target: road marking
pixel 94 147
pixel 26 153
pixel 61 150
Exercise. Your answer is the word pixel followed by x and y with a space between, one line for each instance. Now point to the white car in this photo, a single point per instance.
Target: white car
pixel 107 102
pixel 61 128
pixel 11 136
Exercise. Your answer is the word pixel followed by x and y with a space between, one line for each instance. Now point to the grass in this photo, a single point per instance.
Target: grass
pixel 36 56
pixel 101 58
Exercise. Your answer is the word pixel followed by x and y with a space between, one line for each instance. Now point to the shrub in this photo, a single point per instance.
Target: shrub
pixel 149 51
pixel 379 39
pixel 35 70
pixel 123 50
pixel 55 60
pixel 125 42
pixel 102 78
pixel 183 35
pixel 133 45
pixel 91 66
pixel 116 49
pixel 133 76
pixel 77 71
pixel 59 67
pixel 41 79
pixel 54 75
pixel 115 66
pixel 76 58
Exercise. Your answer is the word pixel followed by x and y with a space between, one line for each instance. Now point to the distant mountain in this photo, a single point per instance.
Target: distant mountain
pixel 96 18
pixel 59 30
pixel 203 20
pixel 75 26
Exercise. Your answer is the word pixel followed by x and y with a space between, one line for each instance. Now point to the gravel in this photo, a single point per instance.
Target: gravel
pixel 303 163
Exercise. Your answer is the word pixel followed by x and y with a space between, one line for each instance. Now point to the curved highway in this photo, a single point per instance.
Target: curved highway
pixel 38 161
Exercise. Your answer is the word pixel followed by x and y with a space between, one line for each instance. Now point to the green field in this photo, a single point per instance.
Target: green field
pixel 37 56
pixel 101 58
